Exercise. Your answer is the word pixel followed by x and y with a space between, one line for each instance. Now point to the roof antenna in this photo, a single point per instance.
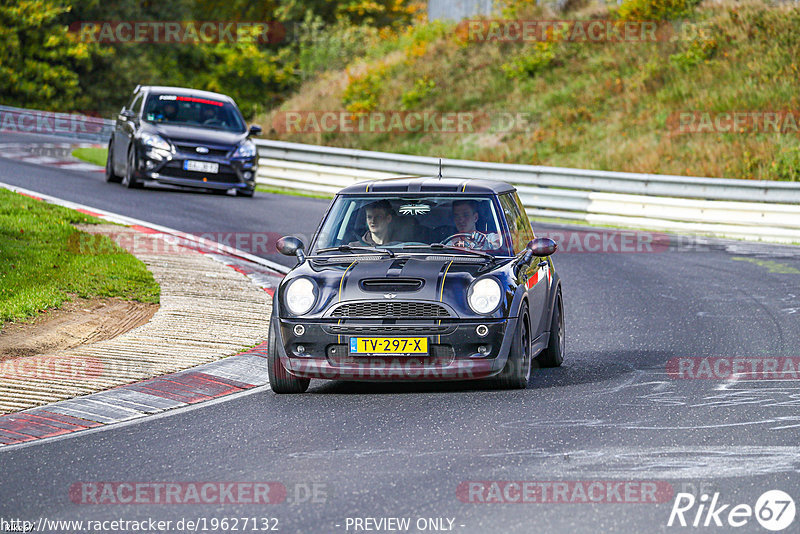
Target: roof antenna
pixel 440 168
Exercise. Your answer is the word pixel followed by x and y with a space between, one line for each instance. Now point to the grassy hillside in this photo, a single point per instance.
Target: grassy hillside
pixel 611 106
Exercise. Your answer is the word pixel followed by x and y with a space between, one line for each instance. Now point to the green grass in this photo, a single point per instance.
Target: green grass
pixel 41 263
pixel 96 156
pixel 606 106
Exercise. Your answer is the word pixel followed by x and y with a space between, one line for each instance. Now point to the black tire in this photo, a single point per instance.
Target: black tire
pixel 129 180
pixel 517 371
pixel 553 355
pixel 279 379
pixel 110 176
pixel 246 192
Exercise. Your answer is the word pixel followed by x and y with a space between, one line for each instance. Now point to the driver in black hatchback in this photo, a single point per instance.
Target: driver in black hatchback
pixel 465 217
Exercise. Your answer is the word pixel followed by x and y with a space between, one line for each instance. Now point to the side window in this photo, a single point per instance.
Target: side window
pixel 526 231
pixel 136 104
pixel 518 223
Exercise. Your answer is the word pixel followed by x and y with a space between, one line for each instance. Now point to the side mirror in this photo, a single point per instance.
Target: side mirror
pixel 291 246
pixel 542 246
pixel 128 114
pixel 255 129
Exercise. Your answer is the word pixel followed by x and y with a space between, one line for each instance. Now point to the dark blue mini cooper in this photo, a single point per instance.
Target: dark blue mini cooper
pixel 418 279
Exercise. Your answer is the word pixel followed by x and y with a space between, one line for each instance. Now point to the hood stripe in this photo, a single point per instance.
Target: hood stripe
pixel 441 291
pixel 441 295
pixel 341 283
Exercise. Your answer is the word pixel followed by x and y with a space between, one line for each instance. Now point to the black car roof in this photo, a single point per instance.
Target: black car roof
pixel 428 184
pixel 184 91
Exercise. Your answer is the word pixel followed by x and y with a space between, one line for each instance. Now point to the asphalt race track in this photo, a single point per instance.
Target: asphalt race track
pixel 612 413
pixel 181 209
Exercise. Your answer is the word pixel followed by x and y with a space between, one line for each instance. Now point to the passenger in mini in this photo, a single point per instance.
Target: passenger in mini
pixel 465 217
pixel 379 220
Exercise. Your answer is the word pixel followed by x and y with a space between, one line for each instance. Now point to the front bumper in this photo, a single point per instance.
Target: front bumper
pixel 167 168
pixel 456 351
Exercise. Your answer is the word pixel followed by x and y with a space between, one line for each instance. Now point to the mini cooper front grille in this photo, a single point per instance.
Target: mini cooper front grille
pixel 391 310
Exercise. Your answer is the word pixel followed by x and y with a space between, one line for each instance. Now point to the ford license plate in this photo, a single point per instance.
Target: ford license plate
pixel 201 166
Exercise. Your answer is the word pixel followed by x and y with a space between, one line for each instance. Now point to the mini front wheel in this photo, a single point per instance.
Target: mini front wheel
pixel 280 380
pixel 517 371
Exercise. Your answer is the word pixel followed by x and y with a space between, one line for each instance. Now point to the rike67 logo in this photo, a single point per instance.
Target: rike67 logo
pixel 774 510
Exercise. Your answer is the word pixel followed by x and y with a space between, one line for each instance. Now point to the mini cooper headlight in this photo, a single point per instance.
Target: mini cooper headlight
pixel 484 295
pixel 300 295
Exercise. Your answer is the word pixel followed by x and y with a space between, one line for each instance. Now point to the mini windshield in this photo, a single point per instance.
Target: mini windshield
pixel 415 224
pixel 193 111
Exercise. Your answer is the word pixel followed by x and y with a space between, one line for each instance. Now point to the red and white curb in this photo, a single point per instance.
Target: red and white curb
pixel 56 155
pixel 227 376
pixel 209 381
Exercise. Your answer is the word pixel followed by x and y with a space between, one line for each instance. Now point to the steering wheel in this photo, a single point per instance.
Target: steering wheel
pixel 473 239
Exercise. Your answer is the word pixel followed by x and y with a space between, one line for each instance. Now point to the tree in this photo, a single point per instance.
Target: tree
pixel 39 63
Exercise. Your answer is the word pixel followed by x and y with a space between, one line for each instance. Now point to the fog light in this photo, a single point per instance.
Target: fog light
pixel 248 175
pixel 482 330
pixel 300 349
pixel 150 165
pixel 299 330
pixel 483 350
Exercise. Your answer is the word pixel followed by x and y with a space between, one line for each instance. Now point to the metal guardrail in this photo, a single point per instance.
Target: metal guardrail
pixel 71 125
pixel 763 210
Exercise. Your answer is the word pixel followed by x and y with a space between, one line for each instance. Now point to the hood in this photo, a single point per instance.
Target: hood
pixel 340 282
pixel 189 134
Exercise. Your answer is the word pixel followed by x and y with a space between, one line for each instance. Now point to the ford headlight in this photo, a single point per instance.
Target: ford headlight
pixel 156 141
pixel 484 295
pixel 245 150
pixel 300 296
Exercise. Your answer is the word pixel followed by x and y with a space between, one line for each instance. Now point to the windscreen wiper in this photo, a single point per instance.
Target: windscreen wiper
pixel 440 246
pixel 349 248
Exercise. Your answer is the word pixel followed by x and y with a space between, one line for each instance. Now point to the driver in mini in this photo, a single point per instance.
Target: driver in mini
pixel 465 216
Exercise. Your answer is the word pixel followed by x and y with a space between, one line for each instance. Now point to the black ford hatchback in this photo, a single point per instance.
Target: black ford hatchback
pixel 418 279
pixel 183 137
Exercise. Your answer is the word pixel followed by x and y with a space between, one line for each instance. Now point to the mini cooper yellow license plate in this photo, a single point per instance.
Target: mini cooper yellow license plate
pixel 388 345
